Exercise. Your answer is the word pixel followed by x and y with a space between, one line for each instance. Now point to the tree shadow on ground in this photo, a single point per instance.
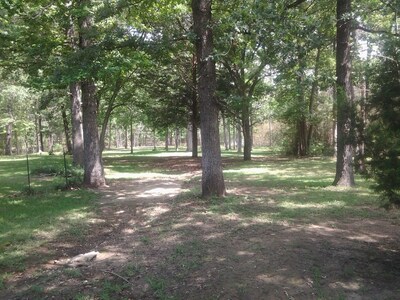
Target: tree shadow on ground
pixel 251 245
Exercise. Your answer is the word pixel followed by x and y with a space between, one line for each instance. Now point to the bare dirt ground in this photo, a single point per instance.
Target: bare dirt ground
pixel 158 240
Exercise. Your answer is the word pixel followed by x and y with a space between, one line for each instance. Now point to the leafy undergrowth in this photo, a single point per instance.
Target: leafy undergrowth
pixel 281 233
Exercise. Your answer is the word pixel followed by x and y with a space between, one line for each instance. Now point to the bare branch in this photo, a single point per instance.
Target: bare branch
pixel 375 31
pixel 295 4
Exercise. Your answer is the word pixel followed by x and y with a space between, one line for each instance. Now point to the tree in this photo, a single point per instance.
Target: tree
pixel 383 132
pixel 93 165
pixel 212 177
pixel 345 109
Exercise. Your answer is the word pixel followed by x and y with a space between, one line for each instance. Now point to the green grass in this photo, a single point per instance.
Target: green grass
pixel 269 189
pixel 29 221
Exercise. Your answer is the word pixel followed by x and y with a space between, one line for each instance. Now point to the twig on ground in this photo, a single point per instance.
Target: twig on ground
pixel 117 275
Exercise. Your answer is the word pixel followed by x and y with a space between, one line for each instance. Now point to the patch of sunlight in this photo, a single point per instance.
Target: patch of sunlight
pixel 157 192
pixel 290 204
pixel 248 171
pixel 132 175
pixel 245 253
pixel 263 219
pixel 353 286
pixel 15 202
pixel 74 215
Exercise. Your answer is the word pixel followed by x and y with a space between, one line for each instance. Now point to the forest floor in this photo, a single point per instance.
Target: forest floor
pixel 158 240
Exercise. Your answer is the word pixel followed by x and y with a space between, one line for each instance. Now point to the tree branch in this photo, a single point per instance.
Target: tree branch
pixel 296 3
pixel 375 31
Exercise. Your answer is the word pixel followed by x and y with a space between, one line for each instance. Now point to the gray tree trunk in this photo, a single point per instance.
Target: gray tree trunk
pixel 345 108
pixel 93 164
pixel 76 122
pixel 212 177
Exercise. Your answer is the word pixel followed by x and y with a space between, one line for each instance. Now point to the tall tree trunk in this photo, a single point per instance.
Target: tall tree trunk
pixel 225 132
pixel 313 96
pixel 246 126
pixel 8 146
pixel 40 128
pixel 76 122
pixel 126 138
pixel 167 140
pixel 177 135
pixel 132 136
pixel 189 138
pixel 154 141
pixel 7 149
pixel 75 100
pixel 212 177
pixel 195 110
pixel 66 130
pixel 345 116
pixel 93 165
pixel 239 138
pixel 228 128
pixel 300 147
pixel 17 142
pixel 233 136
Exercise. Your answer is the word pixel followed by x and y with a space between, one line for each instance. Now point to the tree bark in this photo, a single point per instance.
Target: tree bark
pixel 8 146
pixel 132 135
pixel 93 165
pixel 212 177
pixel 225 132
pixel 345 116
pixel 189 138
pixel 246 126
pixel 228 128
pixel 76 122
pixel 167 140
pixel 313 96
pixel 7 149
pixel 40 128
pixel 239 138
pixel 195 110
pixel 66 130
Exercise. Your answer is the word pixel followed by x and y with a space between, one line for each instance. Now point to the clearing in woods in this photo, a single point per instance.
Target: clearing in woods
pixel 281 233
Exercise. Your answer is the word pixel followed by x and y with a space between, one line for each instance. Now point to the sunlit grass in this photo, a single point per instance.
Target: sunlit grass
pixel 29 221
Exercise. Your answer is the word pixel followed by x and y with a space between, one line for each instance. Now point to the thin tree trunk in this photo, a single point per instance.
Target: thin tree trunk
pixel 17 142
pixel 66 130
pixel 246 126
pixel 167 140
pixel 300 147
pixel 195 110
pixel 189 138
pixel 212 177
pixel 345 118
pixel 228 126
pixel 313 96
pixel 239 138
pixel 41 144
pixel 132 136
pixel 126 137
pixel 8 147
pixel 225 132
pixel 233 136
pixel 154 141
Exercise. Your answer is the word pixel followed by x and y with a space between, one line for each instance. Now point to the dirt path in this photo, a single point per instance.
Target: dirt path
pixel 158 240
